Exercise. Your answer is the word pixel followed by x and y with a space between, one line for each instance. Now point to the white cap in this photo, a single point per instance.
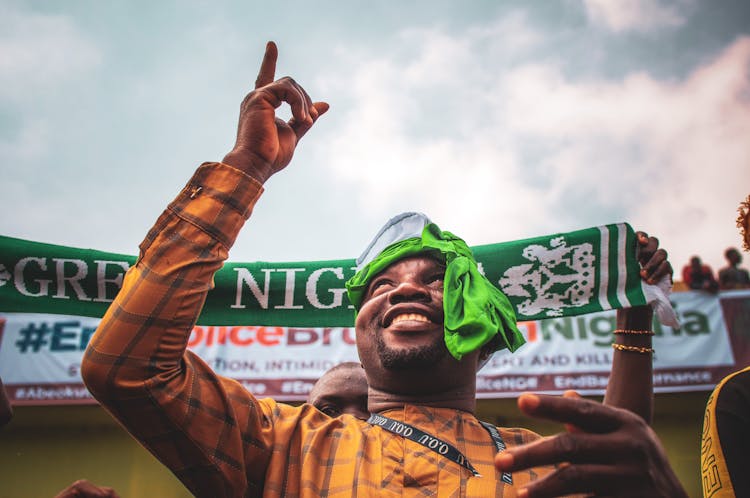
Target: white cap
pixel 401 227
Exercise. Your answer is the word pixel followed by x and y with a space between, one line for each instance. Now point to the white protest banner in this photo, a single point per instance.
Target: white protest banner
pixel 40 354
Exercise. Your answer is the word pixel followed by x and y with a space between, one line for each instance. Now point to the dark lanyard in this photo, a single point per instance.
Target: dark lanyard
pixel 436 444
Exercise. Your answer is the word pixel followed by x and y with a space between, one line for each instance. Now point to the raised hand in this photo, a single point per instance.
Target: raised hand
pixel 265 144
pixel 611 452
pixel 85 489
pixel 653 260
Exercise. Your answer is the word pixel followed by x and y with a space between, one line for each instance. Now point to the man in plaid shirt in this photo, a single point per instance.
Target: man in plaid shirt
pixel 221 441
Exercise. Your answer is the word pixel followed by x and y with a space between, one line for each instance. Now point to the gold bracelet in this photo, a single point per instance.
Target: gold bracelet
pixel 633 332
pixel 634 349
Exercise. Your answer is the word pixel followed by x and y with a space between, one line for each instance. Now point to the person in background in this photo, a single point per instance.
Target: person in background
pixel 732 276
pixel 698 276
pixel 86 489
pixel 6 411
pixel 725 448
pixel 341 390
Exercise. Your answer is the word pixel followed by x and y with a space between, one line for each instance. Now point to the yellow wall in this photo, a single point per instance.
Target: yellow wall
pixel 46 448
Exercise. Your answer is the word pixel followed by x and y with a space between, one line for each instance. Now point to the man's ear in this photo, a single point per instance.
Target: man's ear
pixel 486 351
pixel 484 355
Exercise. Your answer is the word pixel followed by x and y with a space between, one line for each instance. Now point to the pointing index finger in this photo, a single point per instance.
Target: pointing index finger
pixel 268 66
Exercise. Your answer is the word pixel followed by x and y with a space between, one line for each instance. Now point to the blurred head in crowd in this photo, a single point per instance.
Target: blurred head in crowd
pixel 342 389
pixel 733 256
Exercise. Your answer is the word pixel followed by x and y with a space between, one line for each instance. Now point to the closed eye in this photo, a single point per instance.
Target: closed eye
pixel 379 284
pixel 435 277
pixel 438 277
pixel 330 410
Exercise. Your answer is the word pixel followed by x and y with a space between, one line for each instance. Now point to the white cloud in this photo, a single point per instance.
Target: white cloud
pixel 636 15
pixel 456 123
pixel 497 151
pixel 673 154
pixel 39 52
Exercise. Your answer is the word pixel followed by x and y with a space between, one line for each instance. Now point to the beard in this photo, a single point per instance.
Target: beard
pixel 413 358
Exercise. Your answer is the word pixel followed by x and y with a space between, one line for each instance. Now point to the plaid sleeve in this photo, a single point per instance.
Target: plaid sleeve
pixel 203 427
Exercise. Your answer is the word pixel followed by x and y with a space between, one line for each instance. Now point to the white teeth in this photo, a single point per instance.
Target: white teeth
pixel 411 316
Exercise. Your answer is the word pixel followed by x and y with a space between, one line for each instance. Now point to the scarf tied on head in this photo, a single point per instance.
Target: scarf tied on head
pixel 475 311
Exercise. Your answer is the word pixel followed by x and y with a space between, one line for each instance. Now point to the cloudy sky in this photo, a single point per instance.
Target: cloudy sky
pixel 500 120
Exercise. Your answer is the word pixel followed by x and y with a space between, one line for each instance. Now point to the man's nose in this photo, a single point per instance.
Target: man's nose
pixel 408 291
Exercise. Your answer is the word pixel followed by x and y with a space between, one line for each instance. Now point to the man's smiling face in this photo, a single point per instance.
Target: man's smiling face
pixel 400 323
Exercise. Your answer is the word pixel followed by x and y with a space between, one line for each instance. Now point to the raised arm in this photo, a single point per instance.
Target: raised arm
pixel 631 381
pixel 6 412
pixel 207 429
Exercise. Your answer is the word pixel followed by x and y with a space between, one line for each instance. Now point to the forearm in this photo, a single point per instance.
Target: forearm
pixel 137 366
pixel 6 412
pixel 145 330
pixel 631 381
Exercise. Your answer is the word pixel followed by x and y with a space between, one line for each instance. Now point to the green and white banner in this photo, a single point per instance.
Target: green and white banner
pixel 557 275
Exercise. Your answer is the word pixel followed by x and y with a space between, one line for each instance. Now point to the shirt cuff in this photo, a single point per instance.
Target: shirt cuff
pixel 218 199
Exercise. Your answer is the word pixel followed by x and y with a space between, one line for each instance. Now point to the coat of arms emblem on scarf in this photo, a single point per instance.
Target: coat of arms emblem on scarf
pixel 557 277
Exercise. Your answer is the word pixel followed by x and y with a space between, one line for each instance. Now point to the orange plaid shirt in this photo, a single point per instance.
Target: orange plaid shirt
pixel 215 436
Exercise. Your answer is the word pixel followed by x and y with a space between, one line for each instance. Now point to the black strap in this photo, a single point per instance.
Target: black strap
pixel 436 444
pixel 500 445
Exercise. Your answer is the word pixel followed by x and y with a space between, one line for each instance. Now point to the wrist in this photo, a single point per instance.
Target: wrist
pixel 634 326
pixel 635 318
pixel 249 163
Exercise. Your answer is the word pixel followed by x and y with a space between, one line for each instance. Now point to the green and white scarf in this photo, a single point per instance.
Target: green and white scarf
pixel 556 275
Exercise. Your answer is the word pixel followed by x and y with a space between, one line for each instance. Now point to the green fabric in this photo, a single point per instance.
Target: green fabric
pixel 475 310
